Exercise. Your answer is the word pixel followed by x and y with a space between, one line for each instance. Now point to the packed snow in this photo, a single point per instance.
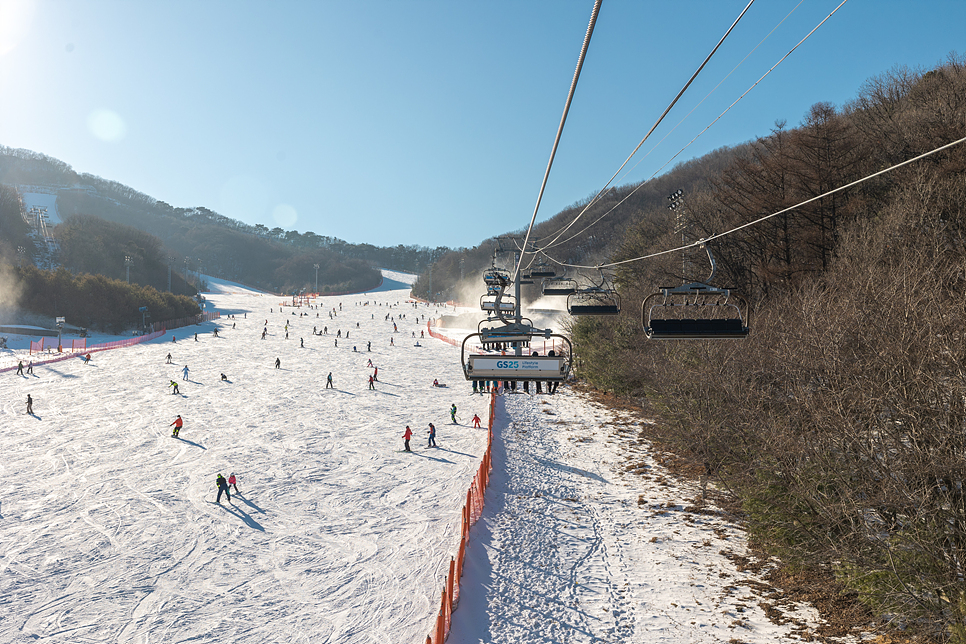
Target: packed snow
pixel 109 529
pixel 108 526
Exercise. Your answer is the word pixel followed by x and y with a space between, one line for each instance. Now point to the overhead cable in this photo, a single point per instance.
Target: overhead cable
pixel 678 153
pixel 774 214
pixel 658 122
pixel 563 120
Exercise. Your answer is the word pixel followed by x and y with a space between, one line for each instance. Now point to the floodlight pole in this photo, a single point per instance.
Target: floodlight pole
pixel 128 261
pixel 316 277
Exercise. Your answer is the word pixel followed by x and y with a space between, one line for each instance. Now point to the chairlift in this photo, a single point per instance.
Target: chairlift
pixel 542 270
pixel 496 276
pixel 505 303
pixel 695 311
pixel 559 287
pixel 594 301
pixel 514 368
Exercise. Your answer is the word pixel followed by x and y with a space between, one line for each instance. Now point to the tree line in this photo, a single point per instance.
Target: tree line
pixel 96 301
pixel 840 423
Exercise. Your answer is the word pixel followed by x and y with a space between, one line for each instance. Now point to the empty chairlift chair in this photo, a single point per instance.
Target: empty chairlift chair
pixel 695 312
pixel 559 287
pixel 594 301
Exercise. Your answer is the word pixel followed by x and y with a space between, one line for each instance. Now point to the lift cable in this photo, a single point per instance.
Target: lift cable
pixel 678 153
pixel 766 217
pixel 563 120
pixel 660 118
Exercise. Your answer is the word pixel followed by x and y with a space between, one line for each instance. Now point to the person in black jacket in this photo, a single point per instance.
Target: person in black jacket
pixel 222 487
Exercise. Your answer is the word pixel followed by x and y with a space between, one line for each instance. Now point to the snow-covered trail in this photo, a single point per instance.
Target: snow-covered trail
pixel 108 527
pixel 573 546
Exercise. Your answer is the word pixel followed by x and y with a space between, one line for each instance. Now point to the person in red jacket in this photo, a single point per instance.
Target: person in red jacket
pixel 476 420
pixel 178 423
pixel 406 437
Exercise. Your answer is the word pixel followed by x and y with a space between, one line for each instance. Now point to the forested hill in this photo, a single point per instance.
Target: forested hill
pixel 272 259
pixel 839 424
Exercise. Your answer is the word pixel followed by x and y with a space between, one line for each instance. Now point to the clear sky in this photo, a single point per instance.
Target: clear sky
pixel 424 122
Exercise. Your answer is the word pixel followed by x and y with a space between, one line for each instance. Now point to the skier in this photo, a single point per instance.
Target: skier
pixel 375 376
pixel 452 413
pixel 432 435
pixel 178 424
pixel 328 381
pixel 406 437
pixel 30 367
pixel 196 337
pixel 215 333
pixel 391 343
pixel 168 359
pixel 222 487
pixel 371 386
pixel 232 482
pixel 278 363
pixel 369 345
pixel 87 359
pixel 185 372
pixel 302 342
pixel 476 420
pixel 20 368
pixel 369 364
pixel 30 409
pixel 175 385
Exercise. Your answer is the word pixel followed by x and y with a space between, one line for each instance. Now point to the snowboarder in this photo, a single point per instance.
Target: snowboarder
pixel 20 368
pixel 222 487
pixel 406 437
pixel 224 377
pixel 168 359
pixel 178 424
pixel 452 413
pixel 432 435
pixel 278 363
pixel 328 381
pixel 185 372
pixel 476 420
pixel 232 482
pixel 175 385
pixel 30 408
pixel 371 386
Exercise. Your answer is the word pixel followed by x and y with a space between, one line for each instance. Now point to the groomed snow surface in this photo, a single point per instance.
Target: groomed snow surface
pixel 109 531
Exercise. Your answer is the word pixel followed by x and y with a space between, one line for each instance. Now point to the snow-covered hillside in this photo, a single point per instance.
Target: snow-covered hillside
pixel 108 526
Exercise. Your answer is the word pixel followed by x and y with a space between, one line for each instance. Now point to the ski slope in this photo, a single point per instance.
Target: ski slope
pixel 108 527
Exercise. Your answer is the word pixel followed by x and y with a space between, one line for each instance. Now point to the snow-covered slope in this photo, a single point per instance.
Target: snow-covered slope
pixel 108 527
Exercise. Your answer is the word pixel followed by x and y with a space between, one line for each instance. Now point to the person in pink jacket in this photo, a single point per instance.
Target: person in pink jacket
pixel 232 482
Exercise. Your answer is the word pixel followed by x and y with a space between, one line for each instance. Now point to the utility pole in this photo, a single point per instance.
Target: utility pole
pixel 128 261
pixel 316 277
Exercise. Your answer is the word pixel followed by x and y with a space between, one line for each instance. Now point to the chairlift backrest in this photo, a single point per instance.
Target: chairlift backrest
pixel 594 301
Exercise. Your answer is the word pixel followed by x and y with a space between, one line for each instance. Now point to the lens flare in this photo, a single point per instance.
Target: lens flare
pixel 106 125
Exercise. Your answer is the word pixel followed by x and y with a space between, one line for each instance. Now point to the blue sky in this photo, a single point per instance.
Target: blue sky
pixel 420 122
